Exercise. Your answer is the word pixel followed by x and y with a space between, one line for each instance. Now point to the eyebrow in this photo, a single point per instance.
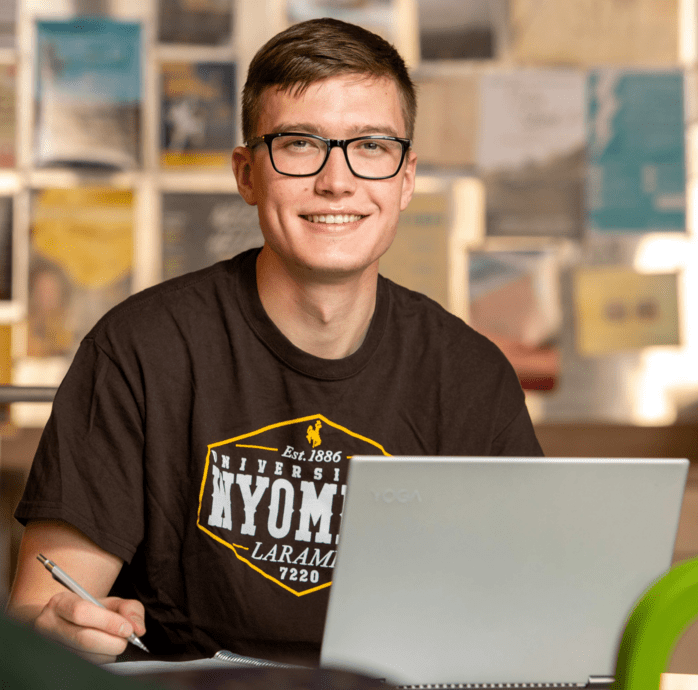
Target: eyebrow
pixel 357 131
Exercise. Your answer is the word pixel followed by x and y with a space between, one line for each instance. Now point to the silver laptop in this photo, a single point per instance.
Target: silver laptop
pixel 496 570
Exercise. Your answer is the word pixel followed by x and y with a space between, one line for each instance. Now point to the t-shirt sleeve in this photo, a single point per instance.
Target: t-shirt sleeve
pixel 518 438
pixel 88 469
pixel 513 433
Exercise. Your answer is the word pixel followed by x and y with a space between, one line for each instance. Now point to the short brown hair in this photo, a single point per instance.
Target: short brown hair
pixel 317 49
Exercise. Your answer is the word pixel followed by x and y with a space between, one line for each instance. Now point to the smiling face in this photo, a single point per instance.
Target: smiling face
pixel 331 223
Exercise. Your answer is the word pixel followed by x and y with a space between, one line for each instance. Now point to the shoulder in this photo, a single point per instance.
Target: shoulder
pixel 459 372
pixel 171 304
pixel 414 315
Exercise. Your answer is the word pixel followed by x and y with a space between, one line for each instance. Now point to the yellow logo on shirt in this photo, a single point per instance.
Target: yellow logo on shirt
pixel 313 434
pixel 277 505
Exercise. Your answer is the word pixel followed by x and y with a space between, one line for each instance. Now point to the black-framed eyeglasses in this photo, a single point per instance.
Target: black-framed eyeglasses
pixel 374 157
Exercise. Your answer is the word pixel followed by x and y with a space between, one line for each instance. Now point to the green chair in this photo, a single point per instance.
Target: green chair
pixel 659 618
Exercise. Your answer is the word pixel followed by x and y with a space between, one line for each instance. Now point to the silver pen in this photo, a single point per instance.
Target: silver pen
pixel 67 581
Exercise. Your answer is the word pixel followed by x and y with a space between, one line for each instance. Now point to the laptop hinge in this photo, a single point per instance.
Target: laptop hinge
pixel 600 682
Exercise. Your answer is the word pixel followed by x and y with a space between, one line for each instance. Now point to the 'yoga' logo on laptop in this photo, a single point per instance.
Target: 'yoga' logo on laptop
pixel 399 495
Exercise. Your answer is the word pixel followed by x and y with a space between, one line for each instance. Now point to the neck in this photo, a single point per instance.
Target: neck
pixel 327 317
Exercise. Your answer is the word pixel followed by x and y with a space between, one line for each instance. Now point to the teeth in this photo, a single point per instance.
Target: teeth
pixel 346 218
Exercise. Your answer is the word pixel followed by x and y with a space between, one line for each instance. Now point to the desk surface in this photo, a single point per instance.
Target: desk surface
pixel 678 681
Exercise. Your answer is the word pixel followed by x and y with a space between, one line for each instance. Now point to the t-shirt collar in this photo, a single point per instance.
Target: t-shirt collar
pixel 285 350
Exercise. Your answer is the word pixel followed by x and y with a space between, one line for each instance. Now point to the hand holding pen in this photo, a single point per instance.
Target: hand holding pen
pixel 68 582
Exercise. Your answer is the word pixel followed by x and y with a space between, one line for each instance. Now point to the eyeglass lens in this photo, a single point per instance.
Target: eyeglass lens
pixel 298 155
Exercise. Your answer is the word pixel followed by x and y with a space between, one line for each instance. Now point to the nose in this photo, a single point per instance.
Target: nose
pixel 335 178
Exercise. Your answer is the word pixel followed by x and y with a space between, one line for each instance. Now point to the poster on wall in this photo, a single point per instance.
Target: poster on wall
pixel 457 30
pixel 201 229
pixel 445 133
pixel 7 115
pixel 8 20
pixel 595 32
pixel 204 22
pixel 80 263
pixel 88 93
pixel 530 152
pixel 198 114
pixel 617 309
pixel 418 257
pixel 374 15
pixel 636 176
pixel 515 301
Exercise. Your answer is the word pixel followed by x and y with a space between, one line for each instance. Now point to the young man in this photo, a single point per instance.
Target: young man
pixel 196 456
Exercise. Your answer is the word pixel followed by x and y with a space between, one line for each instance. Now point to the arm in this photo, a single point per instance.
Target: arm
pixel 37 598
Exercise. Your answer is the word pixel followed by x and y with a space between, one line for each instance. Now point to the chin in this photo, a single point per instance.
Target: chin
pixel 336 267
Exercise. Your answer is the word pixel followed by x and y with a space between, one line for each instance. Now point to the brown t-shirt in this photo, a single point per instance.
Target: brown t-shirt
pixel 194 441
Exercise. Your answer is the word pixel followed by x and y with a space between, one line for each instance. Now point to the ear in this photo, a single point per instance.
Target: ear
pixel 244 174
pixel 408 180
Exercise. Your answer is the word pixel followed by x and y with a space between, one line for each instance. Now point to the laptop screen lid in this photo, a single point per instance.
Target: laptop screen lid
pixel 496 570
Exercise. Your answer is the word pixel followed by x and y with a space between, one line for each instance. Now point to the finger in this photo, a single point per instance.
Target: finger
pixel 94 641
pixel 131 609
pixel 78 637
pixel 85 614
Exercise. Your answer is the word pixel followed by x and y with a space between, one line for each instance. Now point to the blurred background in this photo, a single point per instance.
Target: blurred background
pixel 555 204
